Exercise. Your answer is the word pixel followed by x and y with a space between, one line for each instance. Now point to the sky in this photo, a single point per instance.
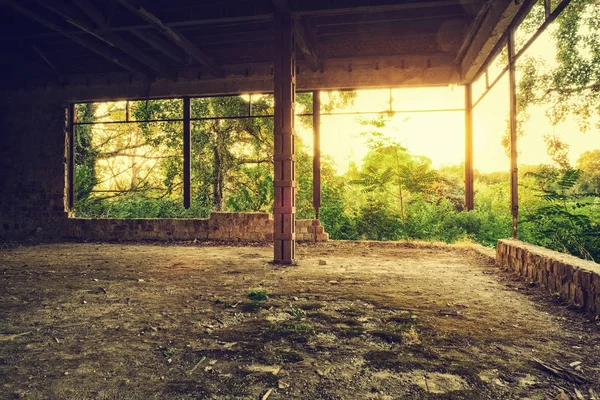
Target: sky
pixel 440 135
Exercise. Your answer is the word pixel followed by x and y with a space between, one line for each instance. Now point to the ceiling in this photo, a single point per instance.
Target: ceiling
pixel 51 40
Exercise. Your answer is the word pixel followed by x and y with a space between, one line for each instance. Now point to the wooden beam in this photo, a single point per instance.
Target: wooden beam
pixel 176 37
pixel 46 60
pixel 79 40
pixel 475 26
pixel 178 24
pixel 316 111
pixel 514 169
pixel 160 45
pixel 284 77
pixel 469 190
pixel 91 11
pixel 305 44
pixel 386 7
pixel 110 37
pixel 492 35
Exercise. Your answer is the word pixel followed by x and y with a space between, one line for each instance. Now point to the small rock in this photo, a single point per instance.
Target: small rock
pixel 283 385
pixel 575 363
pixel 322 262
pixel 141 280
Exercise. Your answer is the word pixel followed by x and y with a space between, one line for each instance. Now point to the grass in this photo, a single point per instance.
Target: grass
pixel 257 295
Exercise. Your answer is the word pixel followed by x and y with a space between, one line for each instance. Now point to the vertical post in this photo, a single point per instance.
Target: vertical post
pixel 284 76
pixel 469 191
pixel 187 154
pixel 316 111
pixel 71 118
pixel 514 171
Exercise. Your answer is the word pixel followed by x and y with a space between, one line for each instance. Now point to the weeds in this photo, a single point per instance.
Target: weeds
pixel 257 295
pixel 225 304
pixel 298 313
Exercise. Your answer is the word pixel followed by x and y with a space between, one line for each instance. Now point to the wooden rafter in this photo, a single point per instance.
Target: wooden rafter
pixel 176 37
pixel 110 37
pixel 158 44
pixel 384 8
pixel 91 11
pixel 306 45
pixel 79 40
pixel 49 63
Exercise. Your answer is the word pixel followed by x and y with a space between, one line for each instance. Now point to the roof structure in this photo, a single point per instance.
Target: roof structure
pixel 341 44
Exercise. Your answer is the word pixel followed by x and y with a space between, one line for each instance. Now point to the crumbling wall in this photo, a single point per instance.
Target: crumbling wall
pixel 221 226
pixel 575 280
pixel 33 186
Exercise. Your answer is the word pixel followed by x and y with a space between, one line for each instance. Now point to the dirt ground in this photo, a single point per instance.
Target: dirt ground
pixel 350 321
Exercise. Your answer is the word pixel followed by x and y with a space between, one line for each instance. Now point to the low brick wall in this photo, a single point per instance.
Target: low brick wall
pixel 577 281
pixel 310 230
pixel 254 227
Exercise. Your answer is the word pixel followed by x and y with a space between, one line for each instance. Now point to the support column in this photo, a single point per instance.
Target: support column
pixel 469 191
pixel 316 152
pixel 284 75
pixel 187 154
pixel 514 171
pixel 71 132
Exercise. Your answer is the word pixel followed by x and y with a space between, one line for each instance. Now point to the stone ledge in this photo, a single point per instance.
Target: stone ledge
pixel 575 280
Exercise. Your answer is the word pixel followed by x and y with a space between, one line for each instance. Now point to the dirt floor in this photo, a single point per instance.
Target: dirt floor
pixel 350 321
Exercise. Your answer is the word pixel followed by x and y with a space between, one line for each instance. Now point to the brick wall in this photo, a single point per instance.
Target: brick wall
pixel 33 160
pixel 32 169
pixel 577 281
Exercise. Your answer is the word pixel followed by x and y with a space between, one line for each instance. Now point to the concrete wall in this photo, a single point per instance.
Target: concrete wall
pixel 577 281
pixel 33 161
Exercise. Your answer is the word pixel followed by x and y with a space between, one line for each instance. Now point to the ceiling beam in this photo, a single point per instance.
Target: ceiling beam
pixel 305 42
pixel 386 7
pixel 46 59
pixel 112 38
pixel 91 11
pixel 488 38
pixel 158 44
pixel 176 37
pixel 93 47
pixel 306 45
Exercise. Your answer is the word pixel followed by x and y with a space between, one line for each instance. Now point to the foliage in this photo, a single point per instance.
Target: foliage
pixel 134 170
pixel 260 295
pixel 564 221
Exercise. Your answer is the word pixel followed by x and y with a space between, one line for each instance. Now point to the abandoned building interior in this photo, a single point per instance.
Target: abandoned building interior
pixel 61 55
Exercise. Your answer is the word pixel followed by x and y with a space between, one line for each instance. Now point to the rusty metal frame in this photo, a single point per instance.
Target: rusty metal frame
pixel 316 182
pixel 71 137
pixel 187 154
pixel 551 17
pixel 469 188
